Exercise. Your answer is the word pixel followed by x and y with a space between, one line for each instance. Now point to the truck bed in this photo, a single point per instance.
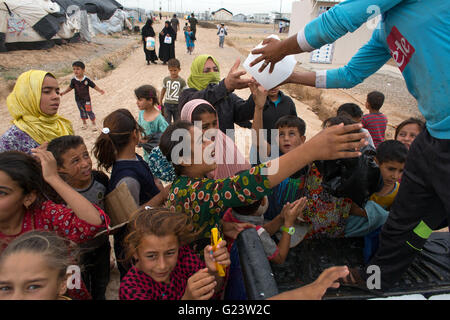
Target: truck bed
pixel 428 275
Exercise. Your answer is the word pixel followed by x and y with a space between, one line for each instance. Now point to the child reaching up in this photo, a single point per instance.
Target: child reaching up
pixel 75 167
pixel 23 181
pixel 204 198
pixel 23 185
pixel 34 267
pixel 165 268
pixel 150 118
pixel 81 84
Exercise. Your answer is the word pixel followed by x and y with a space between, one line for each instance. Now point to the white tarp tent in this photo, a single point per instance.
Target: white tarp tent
pixel 38 24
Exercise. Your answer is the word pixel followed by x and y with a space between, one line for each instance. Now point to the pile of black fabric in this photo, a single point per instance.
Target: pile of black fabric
pixel 354 178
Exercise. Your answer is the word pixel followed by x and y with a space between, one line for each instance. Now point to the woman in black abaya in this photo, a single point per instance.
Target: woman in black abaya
pixel 147 31
pixel 167 43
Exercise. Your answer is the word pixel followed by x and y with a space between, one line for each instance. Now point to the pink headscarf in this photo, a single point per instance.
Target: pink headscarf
pixel 225 148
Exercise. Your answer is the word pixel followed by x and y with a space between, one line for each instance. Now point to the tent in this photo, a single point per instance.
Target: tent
pixel 40 24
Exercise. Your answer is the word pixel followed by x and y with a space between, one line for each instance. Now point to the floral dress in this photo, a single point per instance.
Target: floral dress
pixel 15 139
pixel 327 214
pixel 205 199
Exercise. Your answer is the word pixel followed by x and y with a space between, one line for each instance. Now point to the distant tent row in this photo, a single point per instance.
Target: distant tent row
pixel 40 24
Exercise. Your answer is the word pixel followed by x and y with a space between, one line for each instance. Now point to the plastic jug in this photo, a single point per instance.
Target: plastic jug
pixel 283 69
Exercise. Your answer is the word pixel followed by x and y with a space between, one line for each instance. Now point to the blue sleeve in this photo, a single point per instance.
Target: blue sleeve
pixel 342 18
pixel 369 58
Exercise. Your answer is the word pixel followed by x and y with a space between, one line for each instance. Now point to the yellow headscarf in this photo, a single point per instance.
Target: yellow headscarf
pixel 24 106
pixel 199 80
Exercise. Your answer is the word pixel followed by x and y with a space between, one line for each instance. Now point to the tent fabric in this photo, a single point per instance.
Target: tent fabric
pixel 37 24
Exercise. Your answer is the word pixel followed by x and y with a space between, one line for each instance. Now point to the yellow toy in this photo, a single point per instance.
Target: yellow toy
pixel 215 240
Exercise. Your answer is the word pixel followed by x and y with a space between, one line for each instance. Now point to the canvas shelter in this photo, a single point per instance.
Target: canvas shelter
pixel 40 24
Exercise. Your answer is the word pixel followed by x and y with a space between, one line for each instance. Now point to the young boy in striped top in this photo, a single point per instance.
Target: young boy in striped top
pixel 375 121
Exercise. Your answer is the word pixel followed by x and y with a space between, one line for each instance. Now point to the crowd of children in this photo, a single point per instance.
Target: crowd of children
pixel 53 203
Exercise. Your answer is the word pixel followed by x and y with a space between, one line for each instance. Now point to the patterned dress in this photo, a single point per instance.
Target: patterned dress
pixel 57 217
pixel 205 199
pixel 137 285
pixel 327 214
pixel 15 139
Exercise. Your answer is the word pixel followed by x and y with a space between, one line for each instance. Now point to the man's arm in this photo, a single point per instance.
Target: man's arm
pixel 369 58
pixel 345 17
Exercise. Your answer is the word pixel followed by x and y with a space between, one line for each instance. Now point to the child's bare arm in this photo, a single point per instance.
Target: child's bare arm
pixel 99 90
pixel 66 91
pixel 82 207
pixel 259 97
pixel 356 210
pixel 163 92
pixel 315 291
pixel 290 212
pixel 274 225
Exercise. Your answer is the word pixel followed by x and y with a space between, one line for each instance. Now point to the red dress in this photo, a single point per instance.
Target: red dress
pixel 57 217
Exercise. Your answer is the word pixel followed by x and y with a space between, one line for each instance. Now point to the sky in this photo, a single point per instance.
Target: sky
pixel 235 6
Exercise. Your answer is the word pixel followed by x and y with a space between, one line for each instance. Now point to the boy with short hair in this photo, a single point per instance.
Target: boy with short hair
pixel 375 121
pixel 391 158
pixel 170 93
pixel 75 166
pixel 81 84
pixel 291 134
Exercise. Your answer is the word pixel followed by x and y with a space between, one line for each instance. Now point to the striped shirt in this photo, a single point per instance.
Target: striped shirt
pixel 376 124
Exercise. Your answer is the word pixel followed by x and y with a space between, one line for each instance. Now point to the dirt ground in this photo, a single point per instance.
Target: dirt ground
pixel 131 71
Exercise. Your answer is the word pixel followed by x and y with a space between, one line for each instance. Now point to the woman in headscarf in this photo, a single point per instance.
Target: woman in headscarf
pixel 167 43
pixel 204 83
pixel 34 104
pixel 227 156
pixel 147 31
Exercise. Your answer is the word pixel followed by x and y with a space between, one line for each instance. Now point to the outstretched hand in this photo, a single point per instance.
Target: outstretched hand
pixel 259 94
pixel 233 80
pixel 337 142
pixel 271 53
pixel 327 279
pixel 292 211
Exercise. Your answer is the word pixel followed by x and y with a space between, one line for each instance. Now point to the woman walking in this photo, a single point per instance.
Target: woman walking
pixel 167 43
pixel 147 31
